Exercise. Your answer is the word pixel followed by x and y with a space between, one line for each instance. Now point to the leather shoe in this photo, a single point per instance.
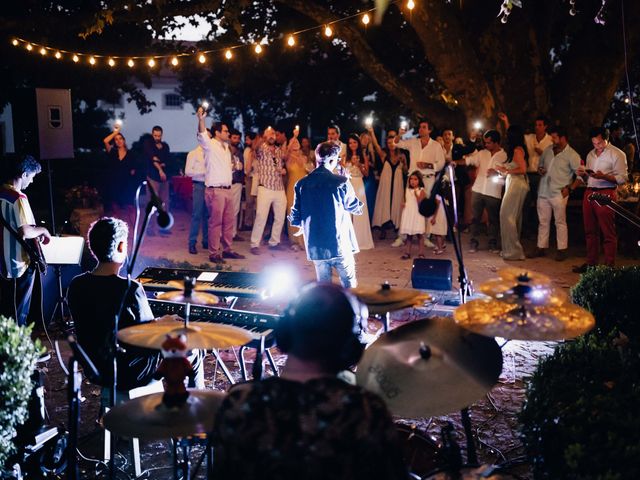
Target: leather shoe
pixel 255 251
pixel 238 238
pixel 216 259
pixel 561 255
pixel 537 252
pixel 232 254
pixel 275 247
pixel 193 250
pixel 582 268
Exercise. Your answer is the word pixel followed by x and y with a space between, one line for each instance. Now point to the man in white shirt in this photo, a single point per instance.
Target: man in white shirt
pixel 218 196
pixel 194 168
pixel 486 192
pixel 333 135
pixel 425 155
pixel 606 168
pixel 557 166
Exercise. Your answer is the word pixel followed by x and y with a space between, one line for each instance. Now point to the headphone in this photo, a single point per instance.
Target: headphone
pixel 343 345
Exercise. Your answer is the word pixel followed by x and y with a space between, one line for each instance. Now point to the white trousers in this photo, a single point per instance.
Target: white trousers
pixel 556 206
pixel 236 200
pixel 267 198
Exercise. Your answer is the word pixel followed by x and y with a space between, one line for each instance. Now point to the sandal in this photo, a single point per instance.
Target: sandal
pixel 406 256
pixel 421 256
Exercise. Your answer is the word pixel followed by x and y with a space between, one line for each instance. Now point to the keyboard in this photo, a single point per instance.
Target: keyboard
pixel 259 324
pixel 241 284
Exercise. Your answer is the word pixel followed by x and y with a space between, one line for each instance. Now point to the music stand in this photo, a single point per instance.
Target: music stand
pixel 58 252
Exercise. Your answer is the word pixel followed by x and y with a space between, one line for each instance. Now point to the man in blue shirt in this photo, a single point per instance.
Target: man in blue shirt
pixel 322 208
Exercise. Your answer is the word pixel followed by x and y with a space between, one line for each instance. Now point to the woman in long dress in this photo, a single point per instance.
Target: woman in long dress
pixel 515 193
pixel 388 206
pixel 357 164
pixel 121 178
pixel 296 169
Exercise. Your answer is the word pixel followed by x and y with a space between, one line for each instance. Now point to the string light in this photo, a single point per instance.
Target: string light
pixel 29 47
pixel 43 52
pixel 75 59
pixel 258 49
pixel 202 58
pixel 131 63
pixel 328 31
pixel 92 60
pixel 15 42
pixel 366 19
pixel 174 61
pixel 151 62
pixel 228 55
pixel 58 55
pixel 111 62
pixel 411 5
pixel 291 41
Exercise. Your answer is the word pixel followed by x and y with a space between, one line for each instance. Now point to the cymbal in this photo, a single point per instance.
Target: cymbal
pixel 196 298
pixel 179 285
pixel 523 292
pixel 514 274
pixel 200 335
pixel 385 294
pixel 484 472
pixel 494 318
pixel 147 418
pixel 461 368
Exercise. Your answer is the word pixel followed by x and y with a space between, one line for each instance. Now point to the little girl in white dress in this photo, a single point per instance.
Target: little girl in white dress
pixel 412 224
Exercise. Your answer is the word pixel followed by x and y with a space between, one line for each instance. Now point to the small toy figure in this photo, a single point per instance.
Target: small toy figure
pixel 174 368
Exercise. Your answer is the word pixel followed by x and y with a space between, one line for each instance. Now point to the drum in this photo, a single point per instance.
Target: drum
pixel 421 453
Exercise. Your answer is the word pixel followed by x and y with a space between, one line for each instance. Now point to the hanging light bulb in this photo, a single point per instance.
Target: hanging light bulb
pixel 202 58
pixel 328 31
pixel 291 41
pixel 58 55
pixel 111 62
pixel 258 49
pixel 43 51
pixel 411 4
pixel 151 62
pixel 29 47
pixel 366 19
pixel 15 42
pixel 75 58
pixel 131 63
pixel 228 55
pixel 92 60
pixel 174 61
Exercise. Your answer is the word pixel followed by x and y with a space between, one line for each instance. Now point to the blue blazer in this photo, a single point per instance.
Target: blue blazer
pixel 322 206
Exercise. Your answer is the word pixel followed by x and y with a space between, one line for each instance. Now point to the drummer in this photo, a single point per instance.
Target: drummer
pixel 308 423
pixel 94 300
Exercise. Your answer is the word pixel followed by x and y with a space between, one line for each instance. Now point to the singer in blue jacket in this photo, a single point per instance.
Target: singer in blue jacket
pixel 322 207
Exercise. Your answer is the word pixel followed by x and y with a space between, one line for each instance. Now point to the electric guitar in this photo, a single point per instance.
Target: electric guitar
pixel 31 246
pixel 601 199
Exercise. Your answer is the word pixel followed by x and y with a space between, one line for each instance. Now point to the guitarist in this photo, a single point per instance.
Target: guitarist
pixel 20 241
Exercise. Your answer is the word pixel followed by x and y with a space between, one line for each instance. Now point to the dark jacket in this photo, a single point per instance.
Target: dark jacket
pixel 322 206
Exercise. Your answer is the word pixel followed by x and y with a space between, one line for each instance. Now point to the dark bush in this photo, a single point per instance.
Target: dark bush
pixel 580 419
pixel 612 295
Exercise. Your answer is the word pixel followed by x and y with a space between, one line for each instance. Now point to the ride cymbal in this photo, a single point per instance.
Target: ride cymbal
pixel 494 318
pixel 147 418
pixel 200 335
pixel 385 294
pixel 430 367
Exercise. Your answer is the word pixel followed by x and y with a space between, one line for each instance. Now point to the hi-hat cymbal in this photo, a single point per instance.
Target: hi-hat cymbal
pixel 147 418
pixel 494 318
pixel 461 368
pixel 196 298
pixel 200 335
pixel 385 294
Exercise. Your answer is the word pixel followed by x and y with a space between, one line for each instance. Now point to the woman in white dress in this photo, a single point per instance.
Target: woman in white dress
pixel 357 164
pixel 388 207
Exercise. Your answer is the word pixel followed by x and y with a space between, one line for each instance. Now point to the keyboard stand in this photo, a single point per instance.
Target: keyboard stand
pixel 243 366
pixel 223 366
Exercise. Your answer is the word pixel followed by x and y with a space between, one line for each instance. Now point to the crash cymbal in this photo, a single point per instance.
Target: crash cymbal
pixel 147 418
pixel 200 335
pixel 494 318
pixel 385 294
pixel 196 298
pixel 459 368
pixel 523 291
pixel 514 274
pixel 382 309
pixel 179 285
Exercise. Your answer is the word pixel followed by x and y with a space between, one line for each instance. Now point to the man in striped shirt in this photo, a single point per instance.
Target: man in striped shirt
pixel 16 271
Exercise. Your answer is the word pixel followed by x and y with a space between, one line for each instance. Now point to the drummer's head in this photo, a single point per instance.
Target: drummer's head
pixel 108 240
pixel 323 324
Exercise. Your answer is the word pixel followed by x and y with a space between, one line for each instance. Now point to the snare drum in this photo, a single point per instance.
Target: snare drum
pixel 421 453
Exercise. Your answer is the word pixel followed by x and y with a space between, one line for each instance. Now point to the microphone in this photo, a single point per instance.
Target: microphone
pixel 165 219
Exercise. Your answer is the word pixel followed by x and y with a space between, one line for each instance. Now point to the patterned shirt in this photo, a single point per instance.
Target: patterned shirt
pixel 270 163
pixel 14 207
pixel 278 429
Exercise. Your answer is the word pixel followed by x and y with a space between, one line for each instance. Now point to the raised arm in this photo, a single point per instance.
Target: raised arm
pixel 109 138
pixel 376 145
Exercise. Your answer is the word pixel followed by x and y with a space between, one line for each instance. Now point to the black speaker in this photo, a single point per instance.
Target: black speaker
pixel 431 274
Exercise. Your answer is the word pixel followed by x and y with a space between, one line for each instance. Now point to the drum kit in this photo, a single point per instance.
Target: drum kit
pixel 424 368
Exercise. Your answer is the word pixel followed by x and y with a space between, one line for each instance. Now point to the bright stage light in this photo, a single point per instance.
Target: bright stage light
pixel 281 281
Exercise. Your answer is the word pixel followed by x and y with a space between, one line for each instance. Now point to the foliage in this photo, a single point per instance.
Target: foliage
pixel 579 419
pixel 18 355
pixel 610 294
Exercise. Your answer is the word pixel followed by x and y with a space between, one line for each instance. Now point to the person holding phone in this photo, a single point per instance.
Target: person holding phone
pixel 606 168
